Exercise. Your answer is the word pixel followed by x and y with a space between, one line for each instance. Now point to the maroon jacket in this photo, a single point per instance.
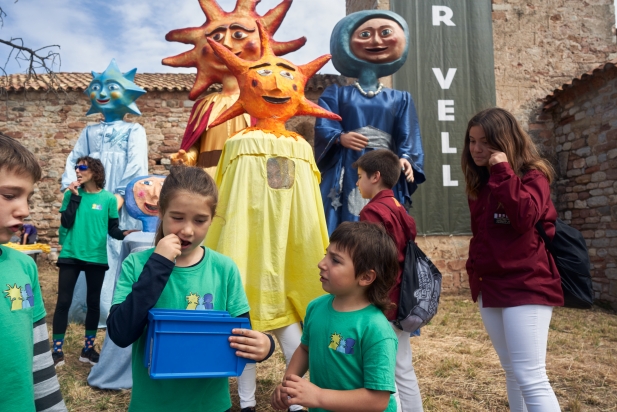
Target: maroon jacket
pixel 401 228
pixel 508 262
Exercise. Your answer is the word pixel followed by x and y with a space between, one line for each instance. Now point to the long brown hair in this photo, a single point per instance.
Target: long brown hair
pixel 503 133
pixel 185 179
pixel 370 248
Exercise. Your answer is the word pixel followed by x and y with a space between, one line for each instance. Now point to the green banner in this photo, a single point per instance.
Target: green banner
pixel 450 74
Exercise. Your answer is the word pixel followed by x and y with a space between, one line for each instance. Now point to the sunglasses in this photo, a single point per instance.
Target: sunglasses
pixel 81 168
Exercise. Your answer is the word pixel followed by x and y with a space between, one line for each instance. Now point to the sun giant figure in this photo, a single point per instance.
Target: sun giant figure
pixel 270 218
pixel 237 31
pixel 366 45
pixel 123 149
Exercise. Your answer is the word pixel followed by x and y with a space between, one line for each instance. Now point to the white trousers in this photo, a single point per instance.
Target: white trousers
pixel 519 335
pixel 407 394
pixel 289 340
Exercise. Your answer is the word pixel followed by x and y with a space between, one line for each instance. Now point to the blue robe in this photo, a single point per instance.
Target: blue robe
pixel 392 112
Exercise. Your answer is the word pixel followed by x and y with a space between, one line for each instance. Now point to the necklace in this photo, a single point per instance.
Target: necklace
pixel 369 93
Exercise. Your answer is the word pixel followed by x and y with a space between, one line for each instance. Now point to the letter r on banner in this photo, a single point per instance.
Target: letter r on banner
pixel 446 17
pixel 447 177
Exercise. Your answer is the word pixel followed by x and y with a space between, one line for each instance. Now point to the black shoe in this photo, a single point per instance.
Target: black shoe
pixel 89 356
pixel 248 409
pixel 58 358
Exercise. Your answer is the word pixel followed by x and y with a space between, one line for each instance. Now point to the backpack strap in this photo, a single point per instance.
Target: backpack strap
pixel 544 236
pixel 395 215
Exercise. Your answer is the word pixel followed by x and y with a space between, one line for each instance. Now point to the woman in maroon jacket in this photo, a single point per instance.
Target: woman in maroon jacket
pixel 511 274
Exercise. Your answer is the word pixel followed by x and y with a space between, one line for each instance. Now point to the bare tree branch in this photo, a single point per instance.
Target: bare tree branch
pixel 45 60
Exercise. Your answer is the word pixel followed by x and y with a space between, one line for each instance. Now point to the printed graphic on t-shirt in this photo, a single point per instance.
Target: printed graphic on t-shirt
pixel 97 207
pixel 197 302
pixel 20 297
pixel 340 344
pixel 501 219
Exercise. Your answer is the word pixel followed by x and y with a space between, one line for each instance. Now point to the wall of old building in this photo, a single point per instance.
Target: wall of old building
pixel 580 125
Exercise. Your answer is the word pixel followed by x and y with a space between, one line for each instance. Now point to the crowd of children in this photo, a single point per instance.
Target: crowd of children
pixel 357 359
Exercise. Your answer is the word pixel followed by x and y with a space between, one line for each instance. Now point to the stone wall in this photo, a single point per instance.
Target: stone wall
pixel 49 124
pixel 579 129
pixel 541 44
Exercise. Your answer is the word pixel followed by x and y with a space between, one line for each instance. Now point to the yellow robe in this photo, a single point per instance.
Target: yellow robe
pixel 270 221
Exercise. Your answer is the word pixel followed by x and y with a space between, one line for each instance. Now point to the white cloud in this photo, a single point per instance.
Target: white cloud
pixel 92 33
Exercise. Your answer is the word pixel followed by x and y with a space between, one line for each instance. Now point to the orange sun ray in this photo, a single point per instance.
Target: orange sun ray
pixel 201 55
pixel 271 88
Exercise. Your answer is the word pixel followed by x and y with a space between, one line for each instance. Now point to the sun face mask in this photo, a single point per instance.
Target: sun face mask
pixel 142 200
pixel 271 88
pixel 236 30
pixel 113 93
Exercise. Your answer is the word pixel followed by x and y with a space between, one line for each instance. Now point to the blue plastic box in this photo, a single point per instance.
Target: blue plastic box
pixel 192 344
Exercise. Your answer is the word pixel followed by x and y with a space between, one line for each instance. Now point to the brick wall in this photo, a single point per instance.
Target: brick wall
pixel 578 129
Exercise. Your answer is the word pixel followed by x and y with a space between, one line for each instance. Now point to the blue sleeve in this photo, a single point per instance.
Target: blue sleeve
pixel 327 131
pixel 408 139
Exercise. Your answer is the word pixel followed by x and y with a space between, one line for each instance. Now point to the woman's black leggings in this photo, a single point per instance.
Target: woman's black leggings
pixel 66 285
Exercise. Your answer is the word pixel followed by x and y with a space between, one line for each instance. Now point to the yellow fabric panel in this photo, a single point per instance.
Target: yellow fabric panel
pixel 275 236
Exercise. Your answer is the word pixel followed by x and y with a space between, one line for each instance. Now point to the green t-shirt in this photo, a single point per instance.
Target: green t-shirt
pixel 350 350
pixel 87 239
pixel 213 283
pixel 21 305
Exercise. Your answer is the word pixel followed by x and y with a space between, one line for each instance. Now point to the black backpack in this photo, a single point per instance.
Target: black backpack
pixel 572 260
pixel 420 288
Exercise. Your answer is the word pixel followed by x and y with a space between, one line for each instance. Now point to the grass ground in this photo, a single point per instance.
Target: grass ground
pixel 456 365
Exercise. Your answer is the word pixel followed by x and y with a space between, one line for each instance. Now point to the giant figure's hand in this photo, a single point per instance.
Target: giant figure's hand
pixel 407 169
pixel 354 141
pixel 181 158
pixel 119 200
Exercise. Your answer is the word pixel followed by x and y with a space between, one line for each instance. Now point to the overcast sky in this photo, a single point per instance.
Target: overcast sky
pixel 92 32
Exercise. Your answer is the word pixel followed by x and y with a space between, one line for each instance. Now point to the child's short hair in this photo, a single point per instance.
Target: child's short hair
pixel 187 179
pixel 370 247
pixel 383 161
pixel 97 168
pixel 14 157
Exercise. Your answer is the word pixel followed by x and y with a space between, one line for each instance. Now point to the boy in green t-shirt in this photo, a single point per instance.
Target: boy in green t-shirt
pixel 347 342
pixel 28 379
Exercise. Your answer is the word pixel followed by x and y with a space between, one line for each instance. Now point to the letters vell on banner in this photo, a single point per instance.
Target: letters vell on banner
pixel 450 75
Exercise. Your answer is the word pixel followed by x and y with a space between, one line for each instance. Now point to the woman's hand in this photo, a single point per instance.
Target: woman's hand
pixel 127 232
pixel 407 169
pixel 497 157
pixel 73 188
pixel 354 141
pixel 169 247
pixel 300 392
pixel 251 344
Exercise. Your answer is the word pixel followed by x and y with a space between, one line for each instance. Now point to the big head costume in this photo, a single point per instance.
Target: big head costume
pixel 237 31
pixel 386 117
pixel 123 149
pixel 269 217
pixel 113 371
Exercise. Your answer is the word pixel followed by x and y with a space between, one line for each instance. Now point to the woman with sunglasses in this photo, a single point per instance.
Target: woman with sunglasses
pixel 88 214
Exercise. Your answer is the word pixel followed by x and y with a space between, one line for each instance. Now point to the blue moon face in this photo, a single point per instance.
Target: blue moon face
pixel 113 93
pixel 108 96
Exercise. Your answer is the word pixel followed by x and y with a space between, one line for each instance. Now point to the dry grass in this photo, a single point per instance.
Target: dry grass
pixel 456 365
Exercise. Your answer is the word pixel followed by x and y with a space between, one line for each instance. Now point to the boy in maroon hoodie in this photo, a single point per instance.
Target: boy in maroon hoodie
pixel 378 171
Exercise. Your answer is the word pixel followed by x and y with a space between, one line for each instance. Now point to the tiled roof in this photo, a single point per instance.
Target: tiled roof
pixel 548 100
pixel 180 82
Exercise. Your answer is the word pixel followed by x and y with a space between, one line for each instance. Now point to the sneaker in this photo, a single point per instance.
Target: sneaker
pixel 248 409
pixel 58 358
pixel 89 356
